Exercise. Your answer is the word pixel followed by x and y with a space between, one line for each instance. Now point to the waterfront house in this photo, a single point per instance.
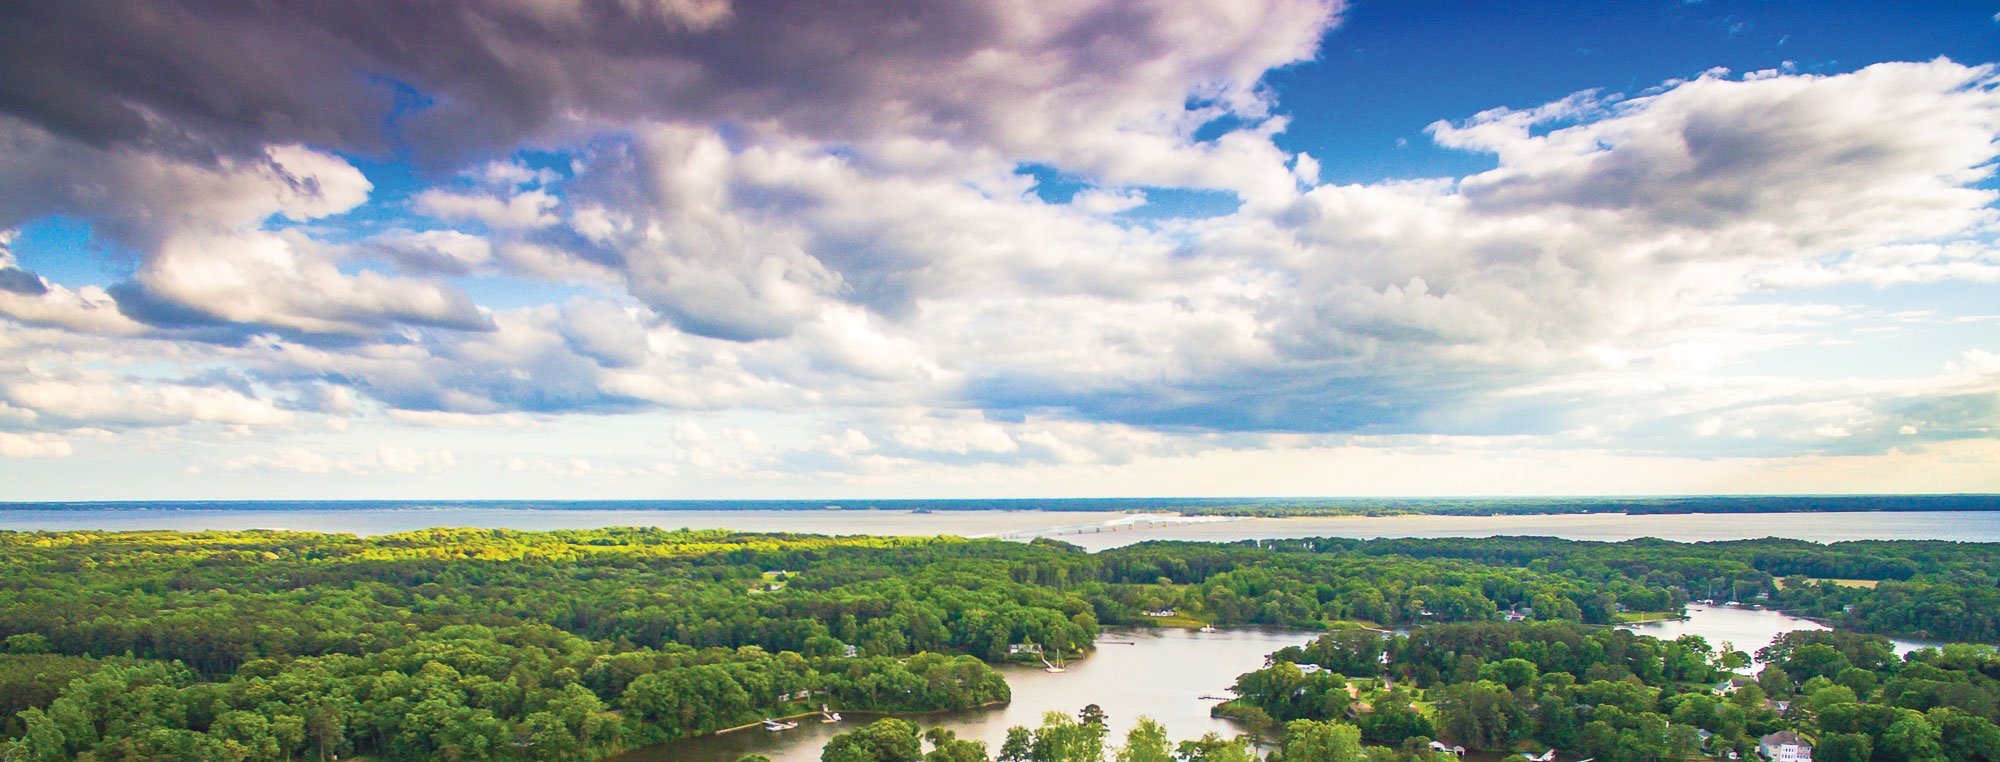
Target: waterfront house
pixel 1785 746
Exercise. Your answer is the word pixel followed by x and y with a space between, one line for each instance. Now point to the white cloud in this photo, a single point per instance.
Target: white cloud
pixel 105 401
pixel 448 252
pixel 847 271
pixel 34 445
pixel 528 209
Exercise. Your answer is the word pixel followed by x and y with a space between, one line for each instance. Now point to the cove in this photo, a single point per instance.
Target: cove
pixel 1163 674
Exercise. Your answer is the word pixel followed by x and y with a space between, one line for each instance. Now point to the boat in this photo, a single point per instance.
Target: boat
pixel 1545 756
pixel 827 715
pixel 1051 668
pixel 778 725
pixel 1208 628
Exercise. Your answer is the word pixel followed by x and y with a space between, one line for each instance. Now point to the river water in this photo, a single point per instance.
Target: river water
pixel 1095 530
pixel 1162 674
pixel 1745 629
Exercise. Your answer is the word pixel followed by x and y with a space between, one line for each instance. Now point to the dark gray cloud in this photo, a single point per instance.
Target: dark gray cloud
pixel 15 280
pixel 458 78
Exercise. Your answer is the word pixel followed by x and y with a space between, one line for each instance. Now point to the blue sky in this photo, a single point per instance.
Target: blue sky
pixel 1290 247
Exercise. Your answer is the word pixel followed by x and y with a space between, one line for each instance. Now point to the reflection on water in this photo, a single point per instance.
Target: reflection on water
pixel 1747 629
pixel 373 521
pixel 1610 527
pixel 1163 675
pixel 1092 530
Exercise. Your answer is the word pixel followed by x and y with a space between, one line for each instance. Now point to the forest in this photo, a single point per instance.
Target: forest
pixel 1618 697
pixel 570 645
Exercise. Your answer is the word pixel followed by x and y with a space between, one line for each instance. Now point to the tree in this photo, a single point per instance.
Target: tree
pixel 946 746
pixel 1063 739
pixel 1019 746
pixel 1309 741
pixel 1843 747
pixel 1214 748
pixel 1091 714
pixel 1480 715
pixel 42 743
pixel 1966 737
pixel 1512 673
pixel 1911 739
pixel 1146 742
pixel 885 740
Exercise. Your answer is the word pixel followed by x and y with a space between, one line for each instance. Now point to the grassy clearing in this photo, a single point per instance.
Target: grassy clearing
pixel 1353 624
pixel 1861 583
pixel 1633 617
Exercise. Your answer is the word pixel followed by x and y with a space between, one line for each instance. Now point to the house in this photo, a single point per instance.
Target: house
pixel 1162 613
pixel 1780 707
pixel 849 651
pixel 1023 648
pixel 1784 746
pixel 1729 686
pixel 1310 668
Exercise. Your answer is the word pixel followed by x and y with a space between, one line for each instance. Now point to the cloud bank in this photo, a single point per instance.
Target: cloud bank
pixel 836 225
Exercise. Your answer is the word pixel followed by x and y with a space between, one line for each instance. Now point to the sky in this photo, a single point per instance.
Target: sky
pixel 592 249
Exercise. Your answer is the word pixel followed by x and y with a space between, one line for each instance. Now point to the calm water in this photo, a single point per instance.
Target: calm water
pixel 371 521
pixel 1687 527
pixel 1093 530
pixel 1745 629
pixel 1163 675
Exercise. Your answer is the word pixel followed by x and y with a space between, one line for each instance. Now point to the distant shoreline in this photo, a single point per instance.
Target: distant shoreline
pixel 1229 507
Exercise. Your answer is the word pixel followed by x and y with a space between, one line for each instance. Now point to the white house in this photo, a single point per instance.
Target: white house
pixel 1784 746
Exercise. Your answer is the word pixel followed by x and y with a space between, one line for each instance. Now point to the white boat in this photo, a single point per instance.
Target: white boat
pixel 1208 628
pixel 827 715
pixel 776 725
pixel 1050 668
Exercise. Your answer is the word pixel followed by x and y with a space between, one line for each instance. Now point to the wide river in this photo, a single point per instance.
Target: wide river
pixel 1092 530
pixel 1165 674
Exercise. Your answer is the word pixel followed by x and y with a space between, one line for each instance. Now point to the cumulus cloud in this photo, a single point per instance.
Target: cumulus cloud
pixel 821 214
pixel 205 259
pixel 444 252
pixel 33 445
pixel 1004 75
pixel 106 401
pixel 529 209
